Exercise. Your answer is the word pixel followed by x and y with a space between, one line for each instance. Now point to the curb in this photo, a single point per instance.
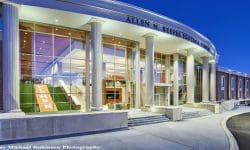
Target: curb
pixel 233 145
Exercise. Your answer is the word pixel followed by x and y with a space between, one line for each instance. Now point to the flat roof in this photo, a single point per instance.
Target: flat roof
pixel 127 13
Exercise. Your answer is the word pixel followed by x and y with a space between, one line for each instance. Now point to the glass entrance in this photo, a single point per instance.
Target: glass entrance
pixel 118 70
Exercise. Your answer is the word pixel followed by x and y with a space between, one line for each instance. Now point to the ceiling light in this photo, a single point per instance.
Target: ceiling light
pixel 56 20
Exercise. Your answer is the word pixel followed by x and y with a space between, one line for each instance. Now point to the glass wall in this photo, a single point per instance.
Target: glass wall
pixel 160 75
pixel 52 68
pixel 198 82
pixel 142 77
pixel 161 91
pixel 118 73
pixel 182 80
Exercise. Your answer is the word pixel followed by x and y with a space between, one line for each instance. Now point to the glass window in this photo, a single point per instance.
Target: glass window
pixel 222 82
pixel 52 68
pixel 118 89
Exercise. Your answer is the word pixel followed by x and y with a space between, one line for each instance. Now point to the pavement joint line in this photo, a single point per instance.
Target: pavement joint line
pixel 173 141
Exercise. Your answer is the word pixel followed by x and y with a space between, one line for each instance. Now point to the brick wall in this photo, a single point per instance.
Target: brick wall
pixel 218 85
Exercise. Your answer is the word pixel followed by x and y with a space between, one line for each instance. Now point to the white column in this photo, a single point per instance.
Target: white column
pixel 213 81
pixel 205 80
pixel 149 69
pixel 87 63
pixel 11 70
pixel 137 76
pixel 190 77
pixel 167 79
pixel 96 30
pixel 176 80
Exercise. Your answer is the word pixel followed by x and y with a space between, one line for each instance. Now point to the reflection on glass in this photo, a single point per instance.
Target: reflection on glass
pixel 52 68
pixel 117 92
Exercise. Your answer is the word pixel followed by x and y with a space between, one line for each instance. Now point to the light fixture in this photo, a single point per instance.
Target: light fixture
pixel 56 20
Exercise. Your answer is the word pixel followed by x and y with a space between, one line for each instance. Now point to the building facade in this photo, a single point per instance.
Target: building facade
pixel 232 85
pixel 70 55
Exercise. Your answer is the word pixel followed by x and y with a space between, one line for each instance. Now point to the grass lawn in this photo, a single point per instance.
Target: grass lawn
pixel 60 99
pixel 28 100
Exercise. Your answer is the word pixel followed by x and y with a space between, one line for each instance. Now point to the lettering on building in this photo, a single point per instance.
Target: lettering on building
pixel 166 29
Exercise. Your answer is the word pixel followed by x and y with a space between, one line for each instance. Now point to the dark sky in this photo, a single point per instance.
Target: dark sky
pixel 225 22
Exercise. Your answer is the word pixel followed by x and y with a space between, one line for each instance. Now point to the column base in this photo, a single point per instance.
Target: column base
pixel 15 111
pixel 96 109
pixel 12 114
pixel 205 102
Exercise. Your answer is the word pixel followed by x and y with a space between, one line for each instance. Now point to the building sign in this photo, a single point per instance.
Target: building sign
pixel 166 29
pixel 44 99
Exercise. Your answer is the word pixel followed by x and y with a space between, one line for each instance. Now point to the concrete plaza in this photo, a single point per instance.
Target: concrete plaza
pixel 204 133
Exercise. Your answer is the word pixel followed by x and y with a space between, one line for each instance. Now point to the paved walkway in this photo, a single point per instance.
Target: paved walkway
pixel 204 133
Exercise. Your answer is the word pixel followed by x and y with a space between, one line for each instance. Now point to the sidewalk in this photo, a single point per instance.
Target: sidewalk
pixel 204 133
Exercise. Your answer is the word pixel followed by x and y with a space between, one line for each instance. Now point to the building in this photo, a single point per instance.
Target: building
pixel 89 56
pixel 232 85
pixel 95 55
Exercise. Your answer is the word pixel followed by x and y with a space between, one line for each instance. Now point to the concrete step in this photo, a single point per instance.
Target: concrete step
pixel 148 117
pixel 146 120
pixel 188 115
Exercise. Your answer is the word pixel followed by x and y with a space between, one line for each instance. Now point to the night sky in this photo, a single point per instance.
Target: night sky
pixel 225 22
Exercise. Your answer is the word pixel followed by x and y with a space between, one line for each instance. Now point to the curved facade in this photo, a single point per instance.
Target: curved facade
pixel 98 55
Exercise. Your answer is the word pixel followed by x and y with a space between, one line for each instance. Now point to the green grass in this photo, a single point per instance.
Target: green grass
pixel 60 99
pixel 27 99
